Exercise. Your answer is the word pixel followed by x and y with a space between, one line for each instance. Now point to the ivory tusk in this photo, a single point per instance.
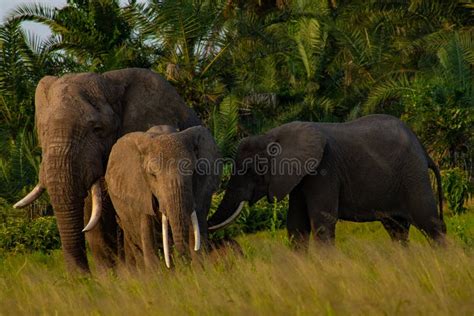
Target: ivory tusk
pixel 96 207
pixel 166 244
pixel 30 197
pixel 229 220
pixel 197 233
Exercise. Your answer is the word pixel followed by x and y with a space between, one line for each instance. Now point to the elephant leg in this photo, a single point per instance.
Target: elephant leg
pixel 128 252
pixel 397 228
pixel 322 202
pixel 147 239
pixel 297 222
pixel 424 213
pixel 133 254
pixel 323 225
pixel 103 239
pixel 120 242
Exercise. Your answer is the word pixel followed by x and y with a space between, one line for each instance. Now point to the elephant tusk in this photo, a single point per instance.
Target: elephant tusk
pixel 166 244
pixel 229 220
pixel 30 197
pixel 197 233
pixel 96 207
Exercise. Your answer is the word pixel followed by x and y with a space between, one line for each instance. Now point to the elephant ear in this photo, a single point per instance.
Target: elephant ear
pixel 42 102
pixel 145 99
pixel 114 91
pixel 296 151
pixel 125 176
pixel 207 170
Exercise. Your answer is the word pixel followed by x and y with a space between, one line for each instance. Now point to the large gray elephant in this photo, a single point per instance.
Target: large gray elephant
pixel 78 119
pixel 163 175
pixel 373 168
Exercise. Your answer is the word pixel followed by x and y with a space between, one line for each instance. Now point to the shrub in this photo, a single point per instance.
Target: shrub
pixel 258 217
pixel 457 189
pixel 20 235
pixel 462 228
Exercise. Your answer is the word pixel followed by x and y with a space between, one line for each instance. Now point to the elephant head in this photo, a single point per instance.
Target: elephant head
pixel 270 165
pixel 78 119
pixel 168 174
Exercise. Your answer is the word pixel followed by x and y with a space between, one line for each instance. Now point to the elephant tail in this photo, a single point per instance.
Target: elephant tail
pixel 432 166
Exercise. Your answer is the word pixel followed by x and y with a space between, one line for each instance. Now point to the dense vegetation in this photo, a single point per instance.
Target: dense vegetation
pixel 247 66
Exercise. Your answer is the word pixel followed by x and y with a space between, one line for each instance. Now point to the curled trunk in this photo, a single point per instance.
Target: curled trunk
pixel 228 210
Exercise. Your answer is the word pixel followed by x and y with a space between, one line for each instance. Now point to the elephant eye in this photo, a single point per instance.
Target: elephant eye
pixel 153 167
pixel 98 130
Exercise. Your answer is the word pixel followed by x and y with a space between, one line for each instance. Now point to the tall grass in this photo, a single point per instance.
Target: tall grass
pixel 364 274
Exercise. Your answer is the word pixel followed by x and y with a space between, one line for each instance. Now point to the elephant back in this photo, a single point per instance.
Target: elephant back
pixel 147 99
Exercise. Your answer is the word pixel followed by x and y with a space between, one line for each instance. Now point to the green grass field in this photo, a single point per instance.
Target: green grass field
pixel 364 274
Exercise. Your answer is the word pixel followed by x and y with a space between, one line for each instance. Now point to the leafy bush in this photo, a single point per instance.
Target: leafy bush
pixel 462 228
pixel 440 102
pixel 258 217
pixel 20 235
pixel 457 189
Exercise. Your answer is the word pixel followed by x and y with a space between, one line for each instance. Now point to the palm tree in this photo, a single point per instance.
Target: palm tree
pixel 24 59
pixel 191 37
pixel 97 35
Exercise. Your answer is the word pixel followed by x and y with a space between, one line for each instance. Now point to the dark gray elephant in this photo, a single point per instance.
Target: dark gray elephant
pixel 168 176
pixel 372 168
pixel 78 118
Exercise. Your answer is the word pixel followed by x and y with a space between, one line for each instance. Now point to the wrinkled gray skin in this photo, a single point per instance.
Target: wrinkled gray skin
pixel 373 168
pixel 78 118
pixel 153 173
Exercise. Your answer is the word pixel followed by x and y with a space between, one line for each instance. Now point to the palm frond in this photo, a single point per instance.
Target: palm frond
pixel 454 58
pixel 310 42
pixel 225 121
pixel 385 91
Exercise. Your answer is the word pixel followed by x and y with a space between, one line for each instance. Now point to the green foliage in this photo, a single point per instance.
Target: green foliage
pixel 19 163
pixel 438 101
pixel 23 61
pixel 263 216
pixel 462 227
pixel 247 66
pixel 259 217
pixel 96 35
pixel 224 125
pixel 20 235
pixel 191 38
pixel 457 189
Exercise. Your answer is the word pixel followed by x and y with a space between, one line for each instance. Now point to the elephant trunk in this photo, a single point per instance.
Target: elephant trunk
pixel 165 232
pixel 228 210
pixel 67 193
pixel 68 207
pixel 178 211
